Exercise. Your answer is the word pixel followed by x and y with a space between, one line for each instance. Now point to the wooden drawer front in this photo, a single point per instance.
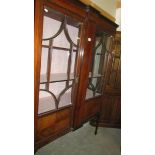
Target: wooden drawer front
pixel 54 123
pixel 92 107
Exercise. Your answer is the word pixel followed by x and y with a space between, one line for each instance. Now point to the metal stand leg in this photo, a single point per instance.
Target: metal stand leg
pixel 97 122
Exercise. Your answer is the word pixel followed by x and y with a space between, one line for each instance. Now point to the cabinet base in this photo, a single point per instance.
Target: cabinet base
pixel 49 139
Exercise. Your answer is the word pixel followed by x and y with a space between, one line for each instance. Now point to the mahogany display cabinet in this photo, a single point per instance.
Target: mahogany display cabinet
pixel 111 99
pixel 72 43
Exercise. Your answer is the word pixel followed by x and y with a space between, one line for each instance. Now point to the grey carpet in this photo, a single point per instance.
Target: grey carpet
pixel 84 142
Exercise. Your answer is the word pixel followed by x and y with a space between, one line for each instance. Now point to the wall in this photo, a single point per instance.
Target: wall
pixel 118 18
pixel 106 7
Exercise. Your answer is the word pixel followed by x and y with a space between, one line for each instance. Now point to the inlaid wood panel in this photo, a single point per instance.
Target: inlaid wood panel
pixel 54 123
pixel 111 109
pixel 92 107
pixel 116 111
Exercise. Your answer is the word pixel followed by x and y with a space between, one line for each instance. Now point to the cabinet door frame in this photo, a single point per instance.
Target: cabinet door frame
pixel 79 111
pixel 38 26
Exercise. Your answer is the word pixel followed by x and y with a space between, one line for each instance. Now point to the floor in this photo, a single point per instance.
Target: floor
pixel 84 142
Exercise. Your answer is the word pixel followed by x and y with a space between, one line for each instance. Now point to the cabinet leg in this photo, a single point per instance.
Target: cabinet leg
pixel 97 122
pixel 35 150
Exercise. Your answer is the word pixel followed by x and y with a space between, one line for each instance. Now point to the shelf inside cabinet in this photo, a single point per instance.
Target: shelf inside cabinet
pixel 95 75
pixel 58 77
pixel 89 94
pixel 47 103
pixel 59 48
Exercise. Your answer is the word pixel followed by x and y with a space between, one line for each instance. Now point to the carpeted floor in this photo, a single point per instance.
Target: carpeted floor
pixel 84 142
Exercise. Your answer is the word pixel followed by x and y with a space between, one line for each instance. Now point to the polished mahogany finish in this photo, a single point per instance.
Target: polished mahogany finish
pixel 111 100
pixel 37 56
pixel 52 124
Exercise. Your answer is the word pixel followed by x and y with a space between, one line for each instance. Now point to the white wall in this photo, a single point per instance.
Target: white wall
pixel 118 18
pixel 107 5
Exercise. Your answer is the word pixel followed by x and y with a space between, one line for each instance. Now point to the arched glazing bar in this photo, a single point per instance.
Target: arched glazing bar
pixel 72 48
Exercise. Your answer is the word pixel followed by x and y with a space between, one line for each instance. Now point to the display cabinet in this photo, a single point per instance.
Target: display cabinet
pixel 71 42
pixel 111 99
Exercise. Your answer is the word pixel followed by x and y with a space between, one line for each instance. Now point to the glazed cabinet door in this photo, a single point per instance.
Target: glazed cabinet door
pixel 96 78
pixel 59 66
pixel 60 47
pixel 111 107
pixel 111 100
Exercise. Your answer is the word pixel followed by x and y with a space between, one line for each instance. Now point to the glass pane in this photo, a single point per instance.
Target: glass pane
pixel 96 74
pixel 58 60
